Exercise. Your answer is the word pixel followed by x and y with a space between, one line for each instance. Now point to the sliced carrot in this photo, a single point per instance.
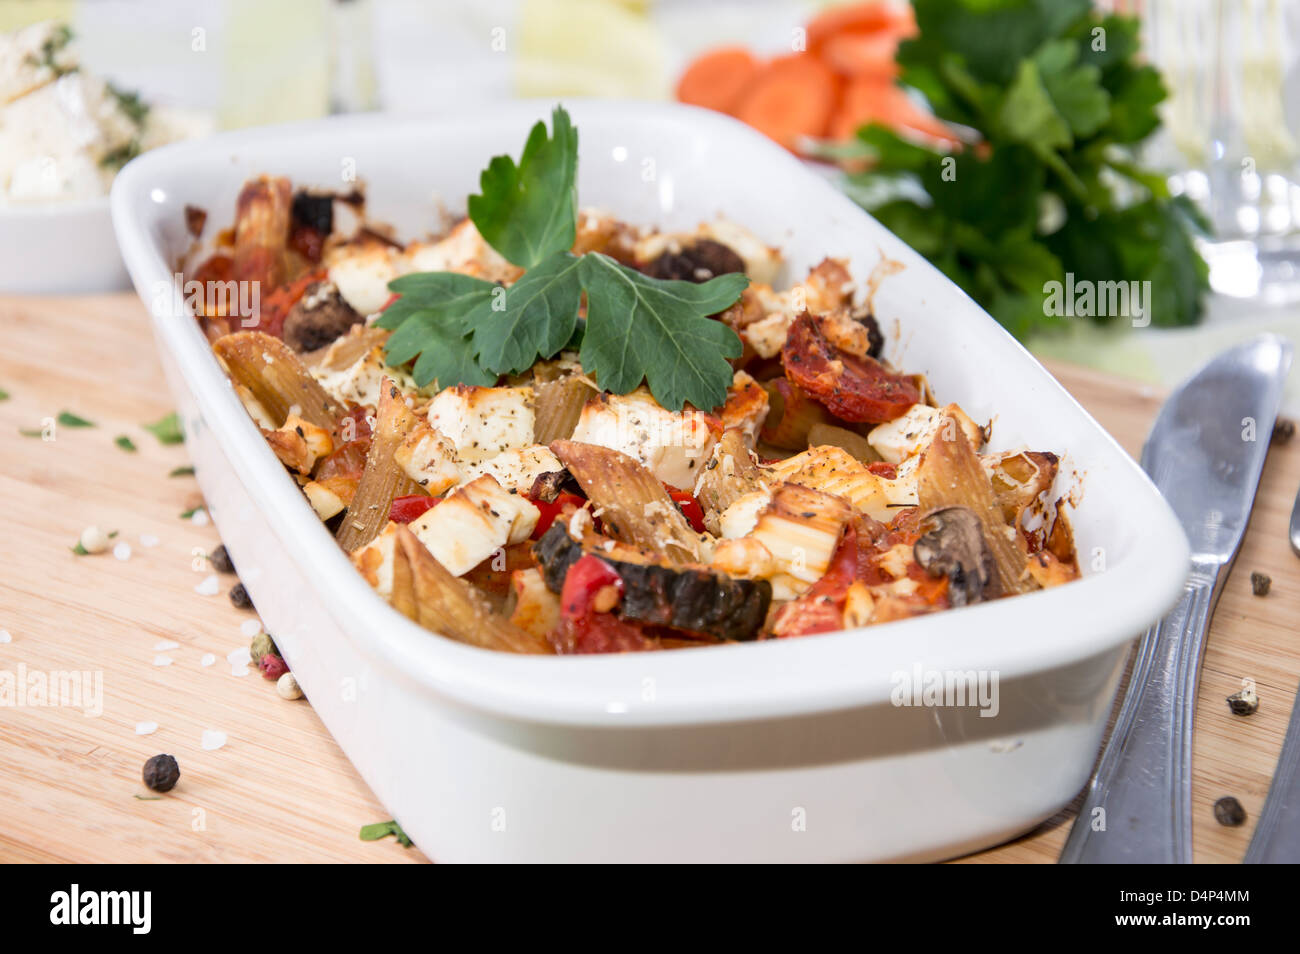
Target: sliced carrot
pixel 791 97
pixel 864 17
pixel 872 100
pixel 868 55
pixel 716 78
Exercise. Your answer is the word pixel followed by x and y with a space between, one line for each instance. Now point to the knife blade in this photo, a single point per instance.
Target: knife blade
pixel 1205 454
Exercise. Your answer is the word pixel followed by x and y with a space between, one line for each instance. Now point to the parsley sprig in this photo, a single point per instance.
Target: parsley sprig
pixel 460 329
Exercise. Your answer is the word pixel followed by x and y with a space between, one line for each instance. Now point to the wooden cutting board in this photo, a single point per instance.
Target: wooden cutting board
pixel 280 790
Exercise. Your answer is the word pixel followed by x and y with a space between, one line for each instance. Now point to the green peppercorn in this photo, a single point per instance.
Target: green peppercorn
pixel 239 596
pixel 161 773
pixel 1228 812
pixel 220 560
pixel 262 645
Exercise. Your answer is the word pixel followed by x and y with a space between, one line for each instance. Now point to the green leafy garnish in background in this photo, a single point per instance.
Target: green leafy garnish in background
pixel 463 330
pixel 1060 103
pixel 125 443
pixel 167 429
pixel 68 419
pixel 383 830
pixel 4 395
pixel 181 472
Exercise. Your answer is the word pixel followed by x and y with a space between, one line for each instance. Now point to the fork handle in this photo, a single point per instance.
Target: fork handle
pixel 1138 807
pixel 1277 833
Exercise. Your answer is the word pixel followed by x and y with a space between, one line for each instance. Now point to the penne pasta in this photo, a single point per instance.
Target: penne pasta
pixel 730 472
pixel 382 479
pixel 440 602
pixel 559 406
pixel 950 475
pixel 275 378
pixel 791 415
pixel 631 504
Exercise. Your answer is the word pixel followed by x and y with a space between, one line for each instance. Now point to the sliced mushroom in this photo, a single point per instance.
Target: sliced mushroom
pixel 954 546
pixel 696 263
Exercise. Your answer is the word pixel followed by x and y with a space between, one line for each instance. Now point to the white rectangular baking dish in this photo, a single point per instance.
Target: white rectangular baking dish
pixel 786 750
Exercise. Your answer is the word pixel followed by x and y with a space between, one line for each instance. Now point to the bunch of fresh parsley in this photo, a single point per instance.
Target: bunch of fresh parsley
pixel 1060 103
pixel 460 329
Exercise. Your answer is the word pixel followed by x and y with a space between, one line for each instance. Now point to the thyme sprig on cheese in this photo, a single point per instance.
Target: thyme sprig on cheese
pixel 464 330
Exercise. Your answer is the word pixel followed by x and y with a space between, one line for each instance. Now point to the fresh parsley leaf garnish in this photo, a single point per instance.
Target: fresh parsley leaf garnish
pixel 383 830
pixel 640 327
pixel 68 419
pixel 166 429
pixel 181 472
pixel 188 514
pixel 125 443
pixel 460 329
pixel 529 211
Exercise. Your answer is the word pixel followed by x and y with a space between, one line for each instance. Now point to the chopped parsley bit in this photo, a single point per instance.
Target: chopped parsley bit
pixel 117 158
pixel 68 419
pixel 181 472
pixel 4 395
pixel 383 830
pixel 188 514
pixel 125 443
pixel 130 103
pixel 167 429
pixel 31 432
pixel 61 37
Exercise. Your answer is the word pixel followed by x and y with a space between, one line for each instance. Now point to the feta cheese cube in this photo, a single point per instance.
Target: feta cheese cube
pixel 672 445
pixel 517 468
pixel 473 523
pixel 429 459
pixel 483 422
pixel 899 439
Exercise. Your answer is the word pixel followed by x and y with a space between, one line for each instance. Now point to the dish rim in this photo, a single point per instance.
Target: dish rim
pixel 847 669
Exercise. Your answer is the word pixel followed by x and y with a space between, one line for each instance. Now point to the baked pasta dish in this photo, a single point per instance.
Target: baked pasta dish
pixel 551 431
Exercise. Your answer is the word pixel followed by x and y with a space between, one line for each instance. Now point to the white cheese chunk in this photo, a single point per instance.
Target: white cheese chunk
pixel 742 516
pixel 473 523
pixel 462 250
pixel 672 445
pixel 429 459
pixel 517 468
pixel 359 382
pixel 483 422
pixel 362 276
pixel 899 439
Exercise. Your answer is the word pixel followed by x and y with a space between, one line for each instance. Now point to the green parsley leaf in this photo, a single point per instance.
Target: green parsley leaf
pixel 129 101
pixel 642 328
pixel 68 419
pixel 1075 89
pixel 428 324
pixel 31 432
pixel 166 429
pixel 537 317
pixel 529 211
pixel 4 395
pixel 186 515
pixel 125 443
pixel 181 472
pixel 383 830
pixel 79 550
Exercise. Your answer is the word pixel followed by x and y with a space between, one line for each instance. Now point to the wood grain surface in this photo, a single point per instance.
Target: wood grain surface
pixel 280 790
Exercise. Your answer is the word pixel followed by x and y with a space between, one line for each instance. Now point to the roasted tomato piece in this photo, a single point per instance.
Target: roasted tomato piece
pixel 552 510
pixel 408 507
pixel 690 508
pixel 591 590
pixel 853 387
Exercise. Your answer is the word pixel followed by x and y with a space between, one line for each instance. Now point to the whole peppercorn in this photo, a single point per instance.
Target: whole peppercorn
pixel 94 540
pixel 161 773
pixel 1228 811
pixel 239 596
pixel 287 687
pixel 1259 583
pixel 1243 703
pixel 220 560
pixel 1283 430
pixel 272 666
pixel 262 645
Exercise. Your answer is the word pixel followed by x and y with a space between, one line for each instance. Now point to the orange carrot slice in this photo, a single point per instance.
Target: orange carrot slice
pixel 716 78
pixel 872 100
pixel 868 55
pixel 791 97
pixel 861 18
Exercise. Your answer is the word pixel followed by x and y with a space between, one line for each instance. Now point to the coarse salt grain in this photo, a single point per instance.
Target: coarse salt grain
pixel 212 740
pixel 165 645
pixel 208 660
pixel 200 518
pixel 162 660
pixel 239 671
pixel 239 656
pixel 148 540
pixel 122 551
pixel 6 636
pixel 210 586
pixel 146 728
pixel 250 627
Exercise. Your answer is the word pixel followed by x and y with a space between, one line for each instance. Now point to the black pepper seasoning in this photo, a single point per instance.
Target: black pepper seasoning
pixel 239 596
pixel 1259 583
pixel 1228 812
pixel 1243 703
pixel 161 773
pixel 220 560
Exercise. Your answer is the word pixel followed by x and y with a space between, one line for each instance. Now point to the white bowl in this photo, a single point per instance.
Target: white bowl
pixel 781 750
pixel 60 248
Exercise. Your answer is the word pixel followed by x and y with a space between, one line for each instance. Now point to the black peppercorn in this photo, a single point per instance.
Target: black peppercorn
pixel 1228 811
pixel 239 596
pixel 220 560
pixel 161 773
pixel 1259 583
pixel 1283 430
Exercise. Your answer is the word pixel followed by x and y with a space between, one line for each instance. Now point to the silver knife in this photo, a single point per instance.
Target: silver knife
pixel 1277 833
pixel 1205 453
